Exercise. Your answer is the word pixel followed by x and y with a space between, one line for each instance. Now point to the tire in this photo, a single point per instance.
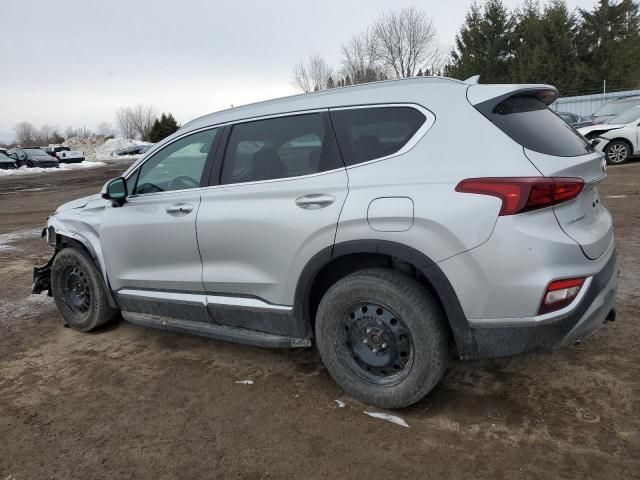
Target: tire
pixel 79 291
pixel 617 152
pixel 29 164
pixel 373 309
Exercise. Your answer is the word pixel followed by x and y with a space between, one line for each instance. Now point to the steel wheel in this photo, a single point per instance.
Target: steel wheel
pixel 77 293
pixel 376 344
pixel 617 152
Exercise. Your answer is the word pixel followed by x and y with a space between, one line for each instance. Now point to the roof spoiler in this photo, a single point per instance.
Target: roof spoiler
pixel 477 94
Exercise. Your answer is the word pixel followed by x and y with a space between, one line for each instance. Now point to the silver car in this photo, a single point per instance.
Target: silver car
pixel 388 223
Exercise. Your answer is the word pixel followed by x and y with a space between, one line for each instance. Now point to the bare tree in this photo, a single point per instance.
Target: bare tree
pixel 143 118
pixel 360 60
pixel 136 121
pixel 300 77
pixel 311 75
pixel 125 123
pixel 105 129
pixel 25 133
pixel 407 41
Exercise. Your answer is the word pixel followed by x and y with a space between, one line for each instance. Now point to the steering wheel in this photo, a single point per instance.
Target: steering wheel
pixel 182 182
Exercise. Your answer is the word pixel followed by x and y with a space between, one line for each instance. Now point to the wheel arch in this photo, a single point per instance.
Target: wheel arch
pixel 77 241
pixel 336 262
pixel 620 139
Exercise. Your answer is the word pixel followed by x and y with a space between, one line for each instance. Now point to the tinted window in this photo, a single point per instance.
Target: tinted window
pixel 279 148
pixel 617 106
pixel 528 121
pixel 177 166
pixel 368 133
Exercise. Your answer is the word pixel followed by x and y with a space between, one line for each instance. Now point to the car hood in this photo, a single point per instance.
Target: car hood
pixel 603 127
pixel 41 158
pixel 77 203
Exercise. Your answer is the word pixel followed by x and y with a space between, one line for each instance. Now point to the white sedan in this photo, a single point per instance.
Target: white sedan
pixel 619 136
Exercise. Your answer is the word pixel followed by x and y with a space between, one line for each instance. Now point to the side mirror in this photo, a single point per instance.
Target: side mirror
pixel 115 190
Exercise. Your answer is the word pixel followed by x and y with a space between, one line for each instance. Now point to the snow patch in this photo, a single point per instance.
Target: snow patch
pixel 245 382
pixel 6 239
pixel 388 418
pixel 615 196
pixel 340 403
pixel 24 170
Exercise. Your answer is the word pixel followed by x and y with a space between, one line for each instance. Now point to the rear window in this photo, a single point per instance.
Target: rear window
pixel 368 133
pixel 528 121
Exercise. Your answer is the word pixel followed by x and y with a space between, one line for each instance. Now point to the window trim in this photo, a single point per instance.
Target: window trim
pixel 206 172
pixel 222 149
pixel 430 119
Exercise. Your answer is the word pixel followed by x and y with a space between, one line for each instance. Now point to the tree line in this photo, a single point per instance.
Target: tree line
pixel 536 43
pixel 138 121
pixel 574 50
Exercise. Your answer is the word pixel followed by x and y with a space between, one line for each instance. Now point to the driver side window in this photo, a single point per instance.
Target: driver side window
pixel 178 166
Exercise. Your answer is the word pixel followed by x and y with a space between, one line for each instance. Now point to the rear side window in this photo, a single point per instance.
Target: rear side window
pixel 528 121
pixel 280 148
pixel 368 133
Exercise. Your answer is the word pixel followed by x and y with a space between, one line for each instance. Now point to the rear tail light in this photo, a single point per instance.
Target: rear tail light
pixel 559 294
pixel 523 194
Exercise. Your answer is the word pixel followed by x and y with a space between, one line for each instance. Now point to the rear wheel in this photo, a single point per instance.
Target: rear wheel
pixel 79 291
pixel 29 164
pixel 617 152
pixel 381 336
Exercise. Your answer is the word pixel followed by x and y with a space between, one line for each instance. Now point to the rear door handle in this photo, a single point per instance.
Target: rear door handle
pixel 179 209
pixel 315 201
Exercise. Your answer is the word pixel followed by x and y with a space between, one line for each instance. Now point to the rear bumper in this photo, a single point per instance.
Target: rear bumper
pixel 596 305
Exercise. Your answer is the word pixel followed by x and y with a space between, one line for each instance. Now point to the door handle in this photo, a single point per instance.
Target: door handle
pixel 315 201
pixel 179 209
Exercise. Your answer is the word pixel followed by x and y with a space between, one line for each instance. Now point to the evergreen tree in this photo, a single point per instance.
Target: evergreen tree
pixel 163 127
pixel 544 47
pixel 609 43
pixel 330 83
pixel 484 44
pixel 420 73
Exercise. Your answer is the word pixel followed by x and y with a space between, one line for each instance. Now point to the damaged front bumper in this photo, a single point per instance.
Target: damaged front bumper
pixel 42 275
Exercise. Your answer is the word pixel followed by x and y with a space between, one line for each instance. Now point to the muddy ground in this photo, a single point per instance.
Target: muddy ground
pixel 130 402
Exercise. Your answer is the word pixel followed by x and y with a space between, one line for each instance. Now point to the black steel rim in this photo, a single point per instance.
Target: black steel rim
pixel 375 344
pixel 77 293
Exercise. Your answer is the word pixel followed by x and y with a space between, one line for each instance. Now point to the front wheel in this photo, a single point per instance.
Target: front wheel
pixel 381 335
pixel 79 291
pixel 617 152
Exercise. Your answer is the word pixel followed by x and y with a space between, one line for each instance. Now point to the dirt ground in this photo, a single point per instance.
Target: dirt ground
pixel 130 402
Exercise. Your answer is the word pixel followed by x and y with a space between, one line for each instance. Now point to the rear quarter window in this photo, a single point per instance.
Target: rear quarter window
pixel 529 121
pixel 368 133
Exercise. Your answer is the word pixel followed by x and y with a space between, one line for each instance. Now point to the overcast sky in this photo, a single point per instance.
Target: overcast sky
pixel 74 62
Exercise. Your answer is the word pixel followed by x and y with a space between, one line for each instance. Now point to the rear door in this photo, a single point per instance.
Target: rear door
pixel 275 202
pixel 557 150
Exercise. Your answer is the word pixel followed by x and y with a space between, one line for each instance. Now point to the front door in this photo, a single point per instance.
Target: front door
pixel 149 243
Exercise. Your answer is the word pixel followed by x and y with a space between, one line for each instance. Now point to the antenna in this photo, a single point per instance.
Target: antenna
pixel 473 80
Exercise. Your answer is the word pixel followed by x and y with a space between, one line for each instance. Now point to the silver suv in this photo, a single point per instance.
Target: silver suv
pixel 390 223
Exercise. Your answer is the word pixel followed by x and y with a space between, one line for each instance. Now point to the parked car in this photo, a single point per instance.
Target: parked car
pixel 132 150
pixel 6 162
pixel 33 157
pixel 345 217
pixel 574 119
pixel 613 108
pixel 64 154
pixel 619 137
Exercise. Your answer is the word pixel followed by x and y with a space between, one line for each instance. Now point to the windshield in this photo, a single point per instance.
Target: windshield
pixel 4 156
pixel 627 116
pixel 34 152
pixel 616 107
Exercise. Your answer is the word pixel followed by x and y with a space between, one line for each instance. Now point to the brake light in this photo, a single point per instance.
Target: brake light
pixel 560 293
pixel 523 194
